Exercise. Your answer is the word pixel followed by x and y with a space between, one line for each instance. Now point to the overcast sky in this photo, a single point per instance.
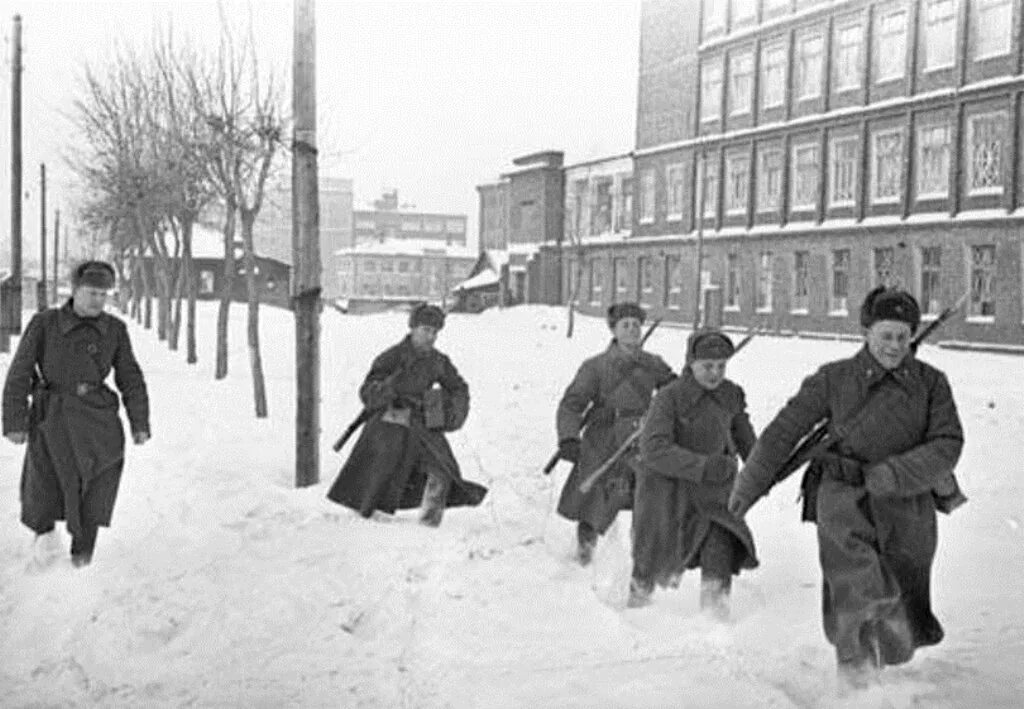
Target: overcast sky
pixel 431 98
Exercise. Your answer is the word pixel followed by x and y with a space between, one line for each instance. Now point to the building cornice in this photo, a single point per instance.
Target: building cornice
pixel 846 113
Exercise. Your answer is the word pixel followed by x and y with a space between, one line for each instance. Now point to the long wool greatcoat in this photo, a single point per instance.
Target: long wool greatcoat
pixel 75 454
pixel 876 551
pixel 388 467
pixel 618 386
pixel 674 508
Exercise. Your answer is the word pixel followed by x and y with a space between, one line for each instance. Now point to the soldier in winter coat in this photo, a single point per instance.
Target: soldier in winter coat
pixel 875 504
pixel 605 402
pixel 402 459
pixel 55 398
pixel 696 427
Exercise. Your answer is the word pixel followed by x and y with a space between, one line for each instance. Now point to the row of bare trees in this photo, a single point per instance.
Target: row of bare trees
pixel 169 138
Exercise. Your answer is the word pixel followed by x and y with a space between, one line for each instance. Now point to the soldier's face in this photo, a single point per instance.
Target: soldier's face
pixel 423 337
pixel 709 373
pixel 89 301
pixel 627 331
pixel 889 342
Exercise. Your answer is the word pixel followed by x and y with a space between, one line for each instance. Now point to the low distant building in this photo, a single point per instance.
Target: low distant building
pixel 390 221
pixel 486 284
pixel 380 275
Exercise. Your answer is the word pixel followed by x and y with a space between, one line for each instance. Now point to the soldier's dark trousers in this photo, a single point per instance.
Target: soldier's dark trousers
pixel 435 497
pixel 586 540
pixel 82 545
pixel 716 564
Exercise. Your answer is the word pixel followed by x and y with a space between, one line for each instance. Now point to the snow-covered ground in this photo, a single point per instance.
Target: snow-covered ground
pixel 220 584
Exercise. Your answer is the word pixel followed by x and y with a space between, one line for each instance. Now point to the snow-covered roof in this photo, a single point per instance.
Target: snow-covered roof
pixel 408 247
pixel 486 277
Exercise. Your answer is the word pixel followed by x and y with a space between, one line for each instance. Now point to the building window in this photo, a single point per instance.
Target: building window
pixel 387 266
pixel 674 188
pixel 710 89
pixel 931 270
pixel 410 225
pixel 806 167
pixel 773 75
pixel 435 226
pixel 885 266
pixel 993 22
pixel 710 187
pixel 801 290
pixel 714 16
pixel 601 206
pixel 455 226
pixel 737 180
pixel 206 281
pixel 743 11
pixel 769 180
pixel 596 282
pixel 933 161
pixel 811 52
pixel 732 282
pixel 940 34
pixel 887 166
pixel 741 74
pixel 620 275
pixel 647 182
pixel 624 219
pixel 849 41
pixel 892 45
pixel 370 266
pixel 839 293
pixel 985 137
pixel 842 188
pixel 403 266
pixel 983 278
pixel 673 282
pixel 645 278
pixel 764 282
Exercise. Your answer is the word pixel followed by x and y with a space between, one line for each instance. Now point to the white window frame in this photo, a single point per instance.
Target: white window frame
pixel 648 188
pixel 645 280
pixel 1004 19
pixel 714 16
pixel 675 181
pixel 741 97
pixel 853 81
pixel 620 275
pixel 794 176
pixel 875 137
pixel 888 53
pixel 924 130
pixel 972 316
pixel 972 120
pixel 773 96
pixel 711 80
pixel 927 311
pixel 739 7
pixel 733 195
pixel 833 165
pixel 877 279
pixel 765 277
pixel 935 35
pixel 732 278
pixel 763 186
pixel 673 282
pixel 803 309
pixel 596 289
pixel 810 65
pixel 835 309
pixel 711 190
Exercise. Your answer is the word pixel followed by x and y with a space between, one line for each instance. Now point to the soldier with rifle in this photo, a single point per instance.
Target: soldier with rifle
pixel 600 409
pixel 877 474
pixel 412 396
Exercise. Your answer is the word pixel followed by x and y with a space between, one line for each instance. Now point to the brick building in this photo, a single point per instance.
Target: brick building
pixel 389 221
pixel 818 149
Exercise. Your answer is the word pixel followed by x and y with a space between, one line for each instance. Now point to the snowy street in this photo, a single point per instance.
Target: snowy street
pixel 220 584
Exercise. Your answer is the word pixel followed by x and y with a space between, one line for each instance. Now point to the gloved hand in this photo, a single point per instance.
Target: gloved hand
pixel 719 469
pixel 880 480
pixel 380 395
pixel 739 504
pixel 569 449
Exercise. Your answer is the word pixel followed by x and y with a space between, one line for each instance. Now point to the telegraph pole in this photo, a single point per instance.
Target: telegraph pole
pixel 41 286
pixel 10 287
pixel 306 286
pixel 56 251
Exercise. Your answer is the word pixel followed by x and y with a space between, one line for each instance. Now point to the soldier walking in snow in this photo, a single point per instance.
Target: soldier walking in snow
pixel 874 493
pixel 75 454
pixel 605 401
pixel 402 459
pixel 696 427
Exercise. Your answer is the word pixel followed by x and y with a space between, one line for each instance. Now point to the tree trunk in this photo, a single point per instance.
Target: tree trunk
pixel 221 369
pixel 190 290
pixel 147 299
pixel 574 296
pixel 259 390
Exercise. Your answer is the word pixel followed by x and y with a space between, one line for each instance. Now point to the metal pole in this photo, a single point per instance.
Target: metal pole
pixel 41 285
pixel 10 287
pixel 306 287
pixel 701 168
pixel 56 252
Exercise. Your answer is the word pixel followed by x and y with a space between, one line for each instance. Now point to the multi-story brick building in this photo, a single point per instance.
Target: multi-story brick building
pixel 389 221
pixel 379 275
pixel 816 149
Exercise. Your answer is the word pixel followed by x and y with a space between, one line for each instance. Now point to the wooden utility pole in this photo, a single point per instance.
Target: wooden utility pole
pixel 41 285
pixel 10 287
pixel 56 252
pixel 305 247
